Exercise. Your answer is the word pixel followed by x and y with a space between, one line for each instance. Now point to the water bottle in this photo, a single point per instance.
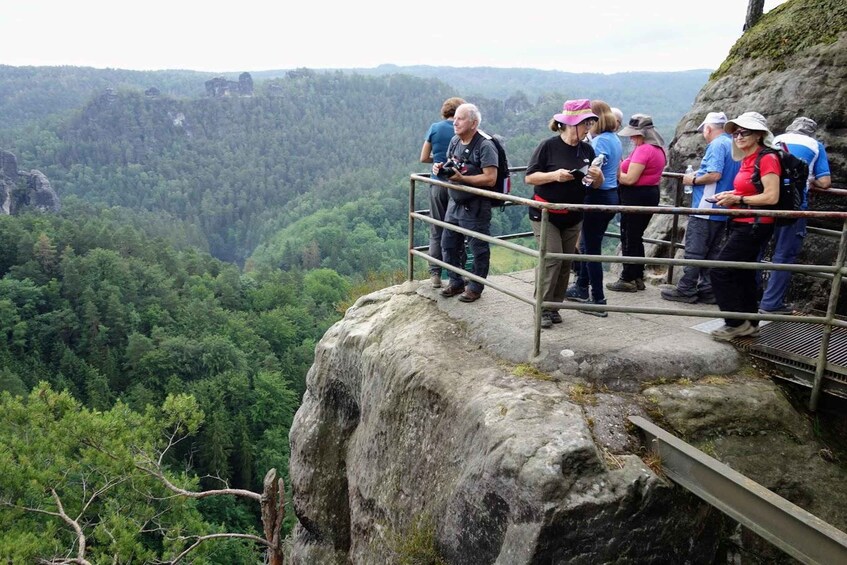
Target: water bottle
pixel 688 189
pixel 597 162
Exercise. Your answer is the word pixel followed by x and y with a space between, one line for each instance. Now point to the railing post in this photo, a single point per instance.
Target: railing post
pixel 677 201
pixel 834 293
pixel 410 269
pixel 540 273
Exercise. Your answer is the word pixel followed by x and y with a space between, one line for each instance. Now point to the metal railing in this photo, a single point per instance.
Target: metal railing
pixel 836 272
pixel 795 531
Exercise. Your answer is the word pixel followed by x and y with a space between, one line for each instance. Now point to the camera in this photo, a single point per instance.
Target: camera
pixel 448 169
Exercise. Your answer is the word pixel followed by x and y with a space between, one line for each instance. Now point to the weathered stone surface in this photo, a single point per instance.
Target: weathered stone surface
pixel 405 419
pixel 748 424
pixel 40 195
pixel 726 406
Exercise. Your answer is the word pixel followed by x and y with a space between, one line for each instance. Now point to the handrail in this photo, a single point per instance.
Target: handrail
pixel 836 271
pixel 797 532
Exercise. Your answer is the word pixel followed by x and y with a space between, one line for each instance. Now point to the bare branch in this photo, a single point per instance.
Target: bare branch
pixel 96 494
pixel 156 472
pixel 80 535
pixel 201 539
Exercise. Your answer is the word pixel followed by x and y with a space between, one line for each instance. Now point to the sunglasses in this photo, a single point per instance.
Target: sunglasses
pixel 742 133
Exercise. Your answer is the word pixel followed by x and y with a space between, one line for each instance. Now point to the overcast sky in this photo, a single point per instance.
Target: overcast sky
pixel 248 35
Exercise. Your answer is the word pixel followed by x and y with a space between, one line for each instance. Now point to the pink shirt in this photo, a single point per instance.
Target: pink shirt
pixel 654 161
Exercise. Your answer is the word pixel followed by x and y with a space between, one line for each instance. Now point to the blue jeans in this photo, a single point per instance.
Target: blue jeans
pixel 438 199
pixel 594 225
pixel 735 289
pixel 703 240
pixel 788 240
pixel 476 216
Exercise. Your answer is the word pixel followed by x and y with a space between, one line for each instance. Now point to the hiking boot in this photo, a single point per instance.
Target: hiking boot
pixel 621 285
pixel 555 316
pixel 676 296
pixel 435 281
pixel 707 298
pixel 595 312
pixel 639 284
pixel 728 333
pixel 546 319
pixel 469 296
pixel 576 293
pixel 451 290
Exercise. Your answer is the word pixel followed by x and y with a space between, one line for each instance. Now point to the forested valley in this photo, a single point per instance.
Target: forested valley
pixel 159 327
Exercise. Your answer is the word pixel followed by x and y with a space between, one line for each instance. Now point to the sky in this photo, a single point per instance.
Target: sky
pixel 603 36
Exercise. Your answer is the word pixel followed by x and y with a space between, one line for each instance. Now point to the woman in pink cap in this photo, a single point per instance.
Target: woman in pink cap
pixel 556 170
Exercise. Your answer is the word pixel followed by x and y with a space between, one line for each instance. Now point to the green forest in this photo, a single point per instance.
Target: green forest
pixel 156 332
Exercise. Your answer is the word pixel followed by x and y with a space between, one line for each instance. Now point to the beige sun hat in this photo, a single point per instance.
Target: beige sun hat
pixel 752 121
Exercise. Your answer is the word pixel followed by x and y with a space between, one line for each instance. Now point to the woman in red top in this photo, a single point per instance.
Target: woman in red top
pixel 735 289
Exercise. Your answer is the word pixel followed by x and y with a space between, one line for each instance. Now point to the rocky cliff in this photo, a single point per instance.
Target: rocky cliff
pixel 421 440
pixel 792 62
pixel 24 190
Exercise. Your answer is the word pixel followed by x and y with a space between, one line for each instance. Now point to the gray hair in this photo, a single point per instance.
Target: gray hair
pixel 473 110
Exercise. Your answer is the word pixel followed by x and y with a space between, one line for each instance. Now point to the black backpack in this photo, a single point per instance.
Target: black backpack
pixel 792 181
pixel 503 185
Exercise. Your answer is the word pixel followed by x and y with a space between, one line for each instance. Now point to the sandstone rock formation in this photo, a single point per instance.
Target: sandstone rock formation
pixel 414 438
pixel 20 190
pixel 219 86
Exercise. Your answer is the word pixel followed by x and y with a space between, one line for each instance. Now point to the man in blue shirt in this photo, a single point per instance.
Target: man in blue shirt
pixel 704 233
pixel 434 150
pixel 799 137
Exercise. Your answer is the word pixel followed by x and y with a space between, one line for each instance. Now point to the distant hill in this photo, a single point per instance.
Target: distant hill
pixel 310 171
pixel 30 94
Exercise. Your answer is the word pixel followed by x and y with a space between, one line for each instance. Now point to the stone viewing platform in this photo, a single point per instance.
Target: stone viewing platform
pixel 621 351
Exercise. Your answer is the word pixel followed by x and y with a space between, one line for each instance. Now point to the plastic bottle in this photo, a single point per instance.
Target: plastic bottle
pixel 688 189
pixel 597 162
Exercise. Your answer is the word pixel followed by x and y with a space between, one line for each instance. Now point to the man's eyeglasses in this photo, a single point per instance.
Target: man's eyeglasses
pixel 742 133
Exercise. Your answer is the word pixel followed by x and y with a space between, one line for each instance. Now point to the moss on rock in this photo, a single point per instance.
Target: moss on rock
pixel 786 30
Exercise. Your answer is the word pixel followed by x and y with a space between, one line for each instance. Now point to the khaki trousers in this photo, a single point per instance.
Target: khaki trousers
pixel 556 273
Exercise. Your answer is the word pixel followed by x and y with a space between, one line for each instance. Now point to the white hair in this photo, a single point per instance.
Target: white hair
pixel 618 114
pixel 473 110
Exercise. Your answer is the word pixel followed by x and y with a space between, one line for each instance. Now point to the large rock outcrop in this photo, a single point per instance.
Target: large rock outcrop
pixel 20 190
pixel 792 62
pixel 415 439
pixel 407 429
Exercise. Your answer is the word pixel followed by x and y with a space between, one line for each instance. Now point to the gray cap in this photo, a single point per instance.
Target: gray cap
pixel 803 126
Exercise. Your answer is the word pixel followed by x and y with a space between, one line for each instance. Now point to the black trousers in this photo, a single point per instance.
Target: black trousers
pixel 633 226
pixel 735 289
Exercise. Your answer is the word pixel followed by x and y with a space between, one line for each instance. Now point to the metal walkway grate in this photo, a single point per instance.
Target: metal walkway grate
pixel 795 346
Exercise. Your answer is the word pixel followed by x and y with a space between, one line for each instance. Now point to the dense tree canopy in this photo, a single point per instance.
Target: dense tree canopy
pixel 203 247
